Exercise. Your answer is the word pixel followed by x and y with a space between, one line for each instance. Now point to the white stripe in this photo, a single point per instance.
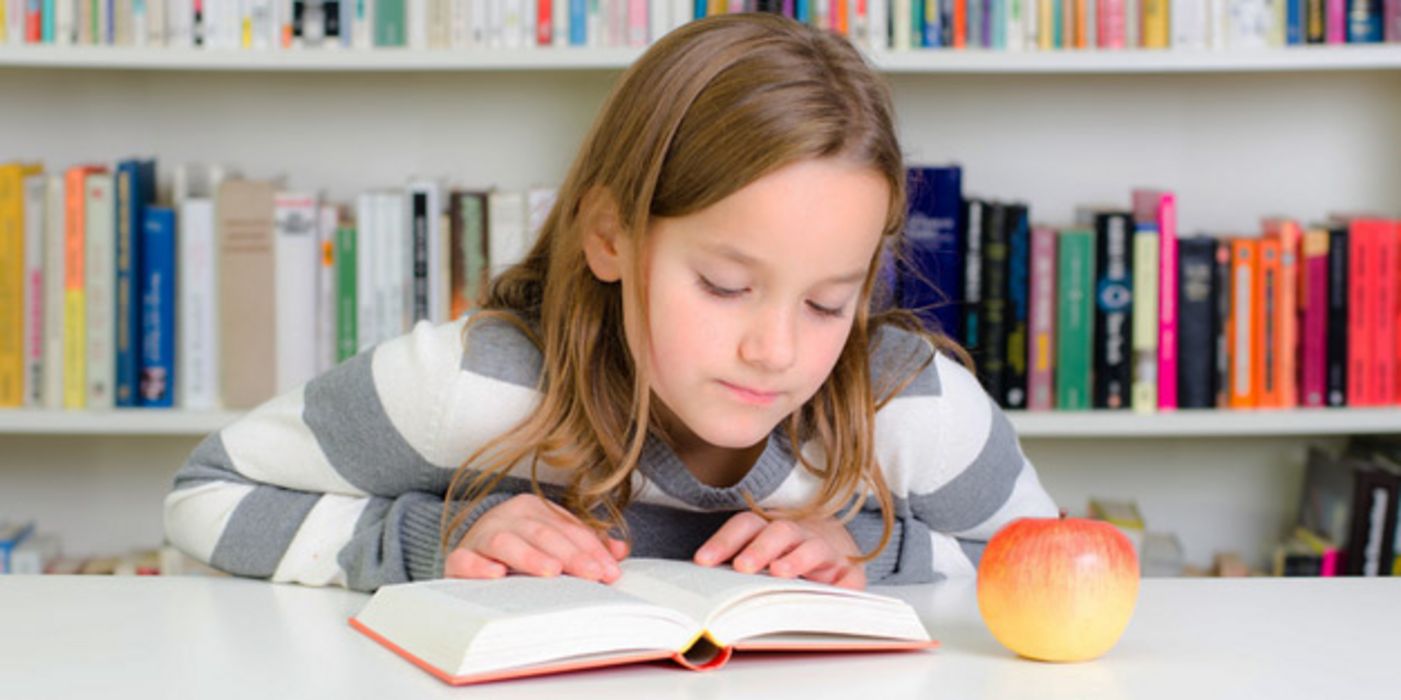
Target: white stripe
pixel 800 485
pixel 195 517
pixel 411 376
pixel 924 442
pixel 1027 500
pixel 646 491
pixel 310 558
pixel 949 558
pixel 273 445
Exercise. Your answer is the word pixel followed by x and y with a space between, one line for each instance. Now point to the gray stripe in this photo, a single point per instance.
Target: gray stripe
pixel 974 495
pixel 209 462
pixel 661 464
pixel 361 443
pixel 895 354
pixel 260 529
pixel 667 533
pixel 499 350
pixel 916 563
pixel 973 549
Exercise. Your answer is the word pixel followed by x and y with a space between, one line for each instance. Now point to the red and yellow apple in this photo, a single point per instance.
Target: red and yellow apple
pixel 1058 589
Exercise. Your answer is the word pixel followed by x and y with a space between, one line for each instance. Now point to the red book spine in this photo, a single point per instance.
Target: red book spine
pixel 1359 341
pixel 1313 361
pixel 1384 307
pixel 960 23
pixel 1041 319
pixel 544 23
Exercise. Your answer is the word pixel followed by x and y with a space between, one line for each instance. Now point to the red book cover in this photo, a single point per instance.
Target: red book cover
pixel 1240 335
pixel 544 23
pixel 1264 345
pixel 1041 319
pixel 960 23
pixel 1314 319
pixel 1359 312
pixel 1384 282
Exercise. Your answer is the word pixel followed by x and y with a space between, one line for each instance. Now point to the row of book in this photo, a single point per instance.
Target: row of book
pixel 1012 25
pixel 26 550
pixel 226 291
pixel 1347 517
pixel 1116 311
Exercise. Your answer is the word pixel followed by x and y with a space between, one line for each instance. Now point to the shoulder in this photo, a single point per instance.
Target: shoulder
pixel 486 347
pixel 899 356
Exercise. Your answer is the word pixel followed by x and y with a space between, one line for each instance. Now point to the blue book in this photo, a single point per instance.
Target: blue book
pixel 1294 22
pixel 158 308
pixel 578 22
pixel 135 189
pixel 699 11
pixel 932 281
pixel 802 10
pixel 11 535
pixel 1364 21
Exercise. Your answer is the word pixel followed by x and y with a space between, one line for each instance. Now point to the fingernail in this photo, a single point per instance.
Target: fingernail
pixel 592 569
pixel 704 556
pixel 743 563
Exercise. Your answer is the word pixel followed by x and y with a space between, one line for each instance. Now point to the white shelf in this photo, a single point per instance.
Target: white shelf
pixel 1297 58
pixel 1055 424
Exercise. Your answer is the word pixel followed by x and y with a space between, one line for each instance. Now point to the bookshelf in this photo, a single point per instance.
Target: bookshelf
pixel 1237 134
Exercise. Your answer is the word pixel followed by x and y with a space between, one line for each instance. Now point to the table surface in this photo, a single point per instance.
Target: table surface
pixel 182 637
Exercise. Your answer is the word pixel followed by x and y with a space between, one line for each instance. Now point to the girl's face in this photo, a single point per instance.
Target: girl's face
pixel 752 299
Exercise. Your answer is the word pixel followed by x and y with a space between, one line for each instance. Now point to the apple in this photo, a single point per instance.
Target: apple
pixel 1058 589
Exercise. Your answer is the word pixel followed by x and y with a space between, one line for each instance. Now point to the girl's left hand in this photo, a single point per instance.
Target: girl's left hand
pixel 815 549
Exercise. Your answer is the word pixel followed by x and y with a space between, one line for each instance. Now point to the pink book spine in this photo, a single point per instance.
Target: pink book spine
pixel 1041 318
pixel 1335 27
pixel 1329 566
pixel 1384 335
pixel 1167 302
pixel 1315 348
pixel 1397 236
pixel 1110 32
pixel 1392 21
pixel 637 22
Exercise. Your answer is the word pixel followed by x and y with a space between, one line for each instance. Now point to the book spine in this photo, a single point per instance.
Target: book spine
pixel 1041 386
pixel 474 214
pixel 992 363
pixel 1338 302
pixel 1018 292
pixel 419 215
pixel 1364 21
pixel 197 328
pixel 974 212
pixel 1145 319
pixel 127 311
pixel 1287 315
pixel 1221 295
pixel 1314 348
pixel 1168 341
pixel 1335 27
pixel 1075 319
pixel 101 262
pixel 326 284
pixel 157 291
pixel 54 289
pixel 1240 324
pixel 75 295
pixel 1358 331
pixel 11 286
pixel 296 260
pixel 1384 279
pixel 460 297
pixel 1314 24
pixel 365 280
pixel 1196 315
pixel 1265 331
pixel 1113 369
pixel 931 281
pixel 347 307
pixel 34 272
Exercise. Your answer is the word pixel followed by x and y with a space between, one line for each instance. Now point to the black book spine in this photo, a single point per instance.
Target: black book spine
pixel 1018 306
pixel 1196 341
pixel 1113 370
pixel 1337 355
pixel 420 256
pixel 974 211
pixel 1314 26
pixel 331 18
pixel 1221 306
pixel 993 363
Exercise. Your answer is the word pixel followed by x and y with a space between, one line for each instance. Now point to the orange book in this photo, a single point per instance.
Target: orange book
pixel 1240 327
pixel 467 631
pixel 1265 326
pixel 1289 308
pixel 960 23
pixel 75 342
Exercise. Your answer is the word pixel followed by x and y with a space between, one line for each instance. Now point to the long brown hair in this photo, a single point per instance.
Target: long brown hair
pixel 711 107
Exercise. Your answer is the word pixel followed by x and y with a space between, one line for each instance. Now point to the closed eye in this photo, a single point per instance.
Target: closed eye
pixel 715 290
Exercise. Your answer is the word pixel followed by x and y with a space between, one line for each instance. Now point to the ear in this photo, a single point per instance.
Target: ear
pixel 605 244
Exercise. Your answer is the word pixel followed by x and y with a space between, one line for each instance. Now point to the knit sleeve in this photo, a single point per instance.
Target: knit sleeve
pixel 342 481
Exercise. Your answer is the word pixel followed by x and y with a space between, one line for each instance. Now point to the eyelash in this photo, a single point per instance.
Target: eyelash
pixel 716 291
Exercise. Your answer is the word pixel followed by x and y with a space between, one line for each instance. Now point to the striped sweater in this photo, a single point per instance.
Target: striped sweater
pixel 342 481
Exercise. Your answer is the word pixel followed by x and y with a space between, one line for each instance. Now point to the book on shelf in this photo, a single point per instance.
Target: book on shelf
pixel 467 631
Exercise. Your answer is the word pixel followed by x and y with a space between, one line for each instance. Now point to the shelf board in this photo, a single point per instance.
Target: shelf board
pixel 1294 58
pixel 1054 424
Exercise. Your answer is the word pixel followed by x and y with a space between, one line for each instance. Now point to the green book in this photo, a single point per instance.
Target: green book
pixel 1075 318
pixel 347 310
pixel 389 23
pixel 474 242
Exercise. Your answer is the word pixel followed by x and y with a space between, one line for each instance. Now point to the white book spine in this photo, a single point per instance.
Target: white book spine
pixel 417 21
pixel 1015 23
pixel 198 307
pixel 902 26
pixel 1189 24
pixel 99 267
pixel 506 222
pixel 560 28
pixel 64 22
pixel 362 26
pixel 326 290
pixel 55 219
pixel 179 23
pixel 1031 22
pixel 877 33
pixel 401 272
pixel 1092 22
pixel 295 254
pixel 385 241
pixel 495 22
pixel 1133 24
pixel 461 35
pixel 682 11
pixel 35 189
pixel 364 271
pixel 479 22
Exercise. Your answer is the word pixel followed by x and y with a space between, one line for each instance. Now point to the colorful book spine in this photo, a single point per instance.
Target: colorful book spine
pixel 75 296
pixel 347 308
pixel 1113 331
pixel 1222 293
pixel 1014 389
pixel 1075 318
pixel 157 292
pixel 34 190
pixel 1168 354
pixel 1286 310
pixel 973 213
pixel 1144 397
pixel 1313 350
pixel 1042 351
pixel 135 190
pixel 1265 330
pixel 1383 322
pixel 11 285
pixel 1335 26
pixel 1240 325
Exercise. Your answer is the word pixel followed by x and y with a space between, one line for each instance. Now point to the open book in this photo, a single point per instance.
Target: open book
pixel 470 631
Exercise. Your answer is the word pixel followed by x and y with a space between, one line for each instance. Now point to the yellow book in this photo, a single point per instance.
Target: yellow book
pixel 11 284
pixel 75 322
pixel 1156 24
pixel 1045 25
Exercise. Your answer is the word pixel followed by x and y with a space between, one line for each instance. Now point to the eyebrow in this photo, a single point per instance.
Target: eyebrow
pixel 739 256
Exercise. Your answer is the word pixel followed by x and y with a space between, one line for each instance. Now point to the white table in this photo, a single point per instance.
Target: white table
pixel 102 637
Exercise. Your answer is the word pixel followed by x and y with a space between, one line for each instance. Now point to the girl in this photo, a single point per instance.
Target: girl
pixel 690 363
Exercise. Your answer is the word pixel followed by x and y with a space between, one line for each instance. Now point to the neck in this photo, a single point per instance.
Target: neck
pixel 720 467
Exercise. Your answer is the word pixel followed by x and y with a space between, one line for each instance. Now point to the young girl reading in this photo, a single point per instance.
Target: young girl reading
pixel 694 361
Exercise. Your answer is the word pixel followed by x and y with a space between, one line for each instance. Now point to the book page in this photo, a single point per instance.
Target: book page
pixel 698 591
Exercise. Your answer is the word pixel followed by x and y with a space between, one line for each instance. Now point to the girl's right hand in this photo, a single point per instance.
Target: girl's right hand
pixel 531 535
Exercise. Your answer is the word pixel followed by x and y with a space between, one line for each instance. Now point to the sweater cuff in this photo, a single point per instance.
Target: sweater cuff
pixel 421 528
pixel 907 557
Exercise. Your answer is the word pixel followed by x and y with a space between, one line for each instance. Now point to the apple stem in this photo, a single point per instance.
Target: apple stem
pixel 1062 514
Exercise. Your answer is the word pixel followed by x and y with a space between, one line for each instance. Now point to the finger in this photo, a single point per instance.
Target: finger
pixel 519 555
pixel 777 539
pixel 465 563
pixel 729 539
pixel 825 574
pixel 854 577
pixel 618 548
pixel 577 549
pixel 804 559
